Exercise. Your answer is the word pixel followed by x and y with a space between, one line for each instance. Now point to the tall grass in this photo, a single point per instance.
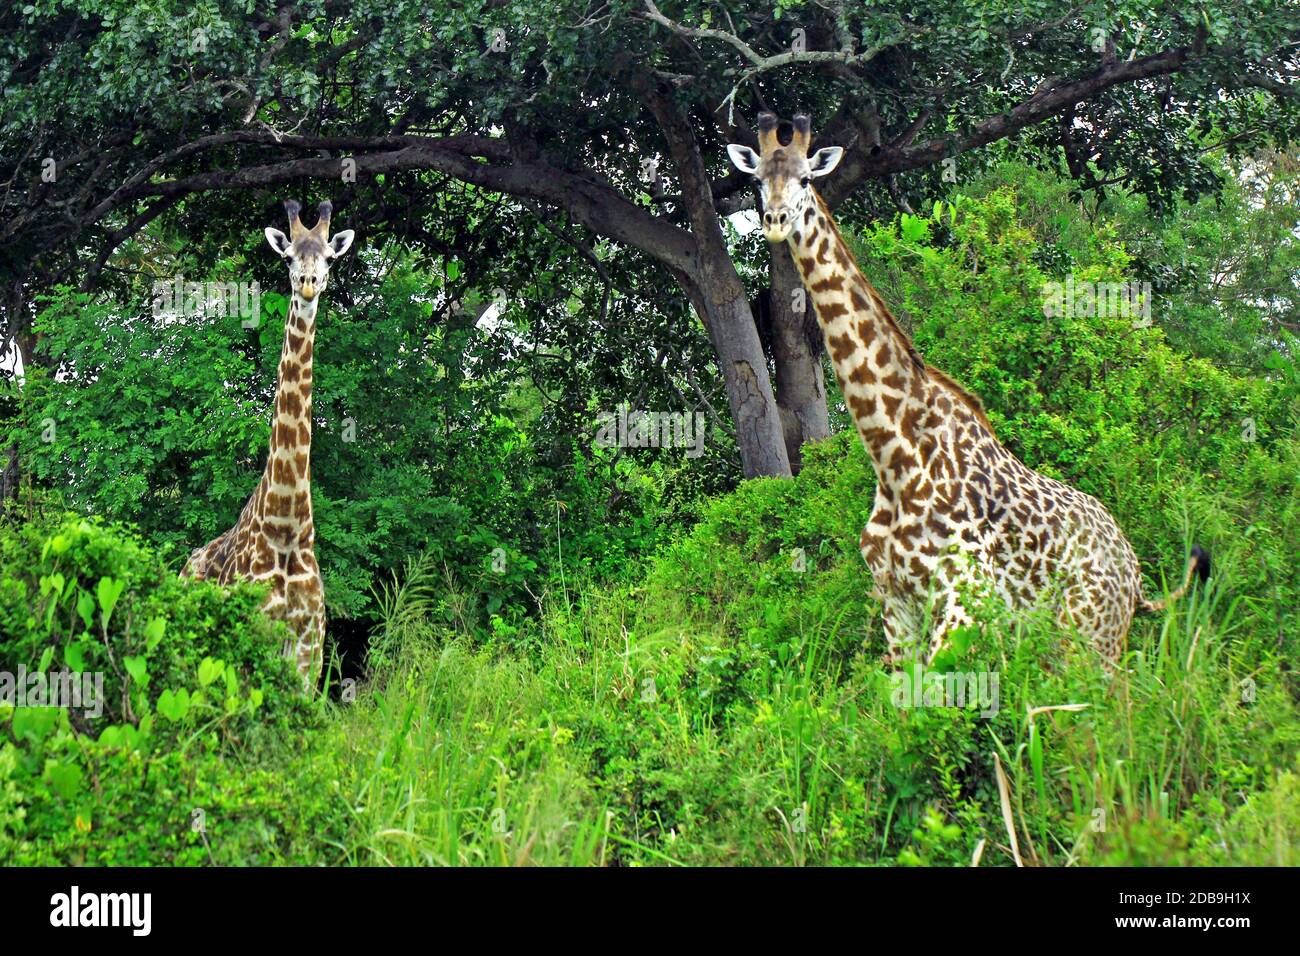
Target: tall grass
pixel 617 737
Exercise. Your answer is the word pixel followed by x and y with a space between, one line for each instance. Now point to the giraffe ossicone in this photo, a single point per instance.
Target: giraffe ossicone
pixel 954 510
pixel 274 540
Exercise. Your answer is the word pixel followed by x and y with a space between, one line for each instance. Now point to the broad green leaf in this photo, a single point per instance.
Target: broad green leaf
pixel 74 655
pixel 138 668
pixel 174 705
pixel 108 591
pixel 34 724
pixel 86 607
pixel 153 632
pixel 209 670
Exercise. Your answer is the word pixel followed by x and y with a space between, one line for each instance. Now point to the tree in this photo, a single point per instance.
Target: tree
pixel 613 115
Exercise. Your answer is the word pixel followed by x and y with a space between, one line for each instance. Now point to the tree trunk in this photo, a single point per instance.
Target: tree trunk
pixel 11 473
pixel 719 295
pixel 10 478
pixel 719 300
pixel 796 357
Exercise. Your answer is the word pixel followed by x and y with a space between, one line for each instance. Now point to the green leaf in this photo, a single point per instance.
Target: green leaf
pixel 86 607
pixel 34 724
pixel 209 670
pixel 108 591
pixel 138 668
pixel 914 227
pixel 120 735
pixel 52 583
pixel 74 655
pixel 174 705
pixel 153 632
pixel 1036 755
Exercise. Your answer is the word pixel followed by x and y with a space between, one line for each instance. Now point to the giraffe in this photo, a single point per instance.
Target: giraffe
pixel 955 512
pixel 274 538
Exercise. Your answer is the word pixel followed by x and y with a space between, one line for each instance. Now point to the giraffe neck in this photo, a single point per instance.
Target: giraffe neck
pixel 285 491
pixel 882 377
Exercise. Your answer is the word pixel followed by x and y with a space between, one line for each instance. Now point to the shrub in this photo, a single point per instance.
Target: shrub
pixel 194 693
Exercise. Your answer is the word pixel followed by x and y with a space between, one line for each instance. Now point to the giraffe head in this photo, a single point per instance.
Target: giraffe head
pixel 784 173
pixel 309 252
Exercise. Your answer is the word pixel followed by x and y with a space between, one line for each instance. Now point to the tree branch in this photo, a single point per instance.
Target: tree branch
pixel 878 163
pixel 590 202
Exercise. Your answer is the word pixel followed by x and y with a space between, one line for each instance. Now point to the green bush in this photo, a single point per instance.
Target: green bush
pixel 165 425
pixel 193 693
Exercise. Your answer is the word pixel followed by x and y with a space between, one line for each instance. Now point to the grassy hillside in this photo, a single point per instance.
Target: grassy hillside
pixel 726 706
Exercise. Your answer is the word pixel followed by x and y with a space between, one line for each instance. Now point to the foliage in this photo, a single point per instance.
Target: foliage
pixel 728 708
pixel 164 424
pixel 178 681
pixel 572 156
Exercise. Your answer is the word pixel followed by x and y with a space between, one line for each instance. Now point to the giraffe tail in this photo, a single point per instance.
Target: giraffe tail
pixel 1198 564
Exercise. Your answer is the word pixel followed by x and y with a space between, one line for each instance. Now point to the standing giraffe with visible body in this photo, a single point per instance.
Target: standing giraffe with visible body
pixel 274 538
pixel 954 510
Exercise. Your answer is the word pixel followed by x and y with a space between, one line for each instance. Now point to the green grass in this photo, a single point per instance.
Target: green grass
pixel 729 709
pixel 604 742
pixel 726 705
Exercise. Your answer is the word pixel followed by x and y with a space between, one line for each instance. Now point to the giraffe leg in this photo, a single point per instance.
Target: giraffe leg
pixel 952 615
pixel 957 574
pixel 903 623
pixel 317 654
pixel 309 652
pixel 895 640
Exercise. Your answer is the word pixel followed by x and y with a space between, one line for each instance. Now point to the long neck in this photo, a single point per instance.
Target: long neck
pixel 883 379
pixel 286 484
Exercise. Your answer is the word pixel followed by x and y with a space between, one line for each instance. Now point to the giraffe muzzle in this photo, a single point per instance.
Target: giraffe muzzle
pixel 777 224
pixel 308 292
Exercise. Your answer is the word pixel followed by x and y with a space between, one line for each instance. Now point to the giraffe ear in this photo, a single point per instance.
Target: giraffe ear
pixel 340 243
pixel 744 158
pixel 278 240
pixel 825 160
